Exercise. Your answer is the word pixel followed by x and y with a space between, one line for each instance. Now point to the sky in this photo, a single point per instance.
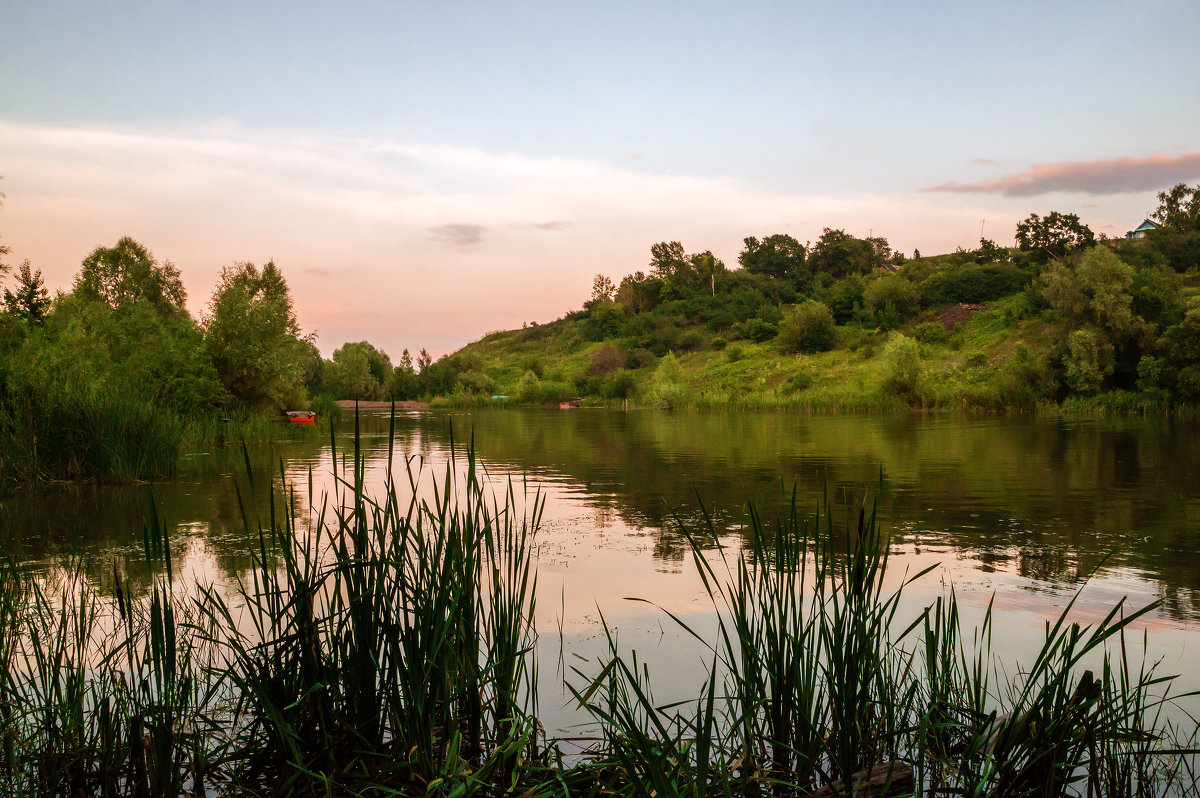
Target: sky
pixel 424 173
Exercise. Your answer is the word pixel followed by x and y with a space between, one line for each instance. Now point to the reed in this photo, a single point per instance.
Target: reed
pixel 384 645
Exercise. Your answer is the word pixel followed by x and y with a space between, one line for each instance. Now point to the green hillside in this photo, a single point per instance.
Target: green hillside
pixel 1063 321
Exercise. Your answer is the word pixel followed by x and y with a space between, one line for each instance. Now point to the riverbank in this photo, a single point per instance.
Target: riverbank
pixel 991 360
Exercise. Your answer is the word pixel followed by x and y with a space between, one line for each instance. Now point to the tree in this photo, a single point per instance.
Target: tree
pixel 403 382
pixel 1179 208
pixel 779 256
pixel 359 371
pixel 122 275
pixel 253 338
pixel 809 327
pixel 988 252
pixel 890 300
pixel 1046 238
pixel 31 300
pixel 1178 240
pixel 602 289
pixel 666 257
pixel 1089 360
pixel 838 253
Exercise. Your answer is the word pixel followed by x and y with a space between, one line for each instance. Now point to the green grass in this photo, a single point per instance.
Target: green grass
pixel 383 645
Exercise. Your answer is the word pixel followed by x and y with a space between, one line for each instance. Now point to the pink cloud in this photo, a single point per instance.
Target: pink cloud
pixel 1114 176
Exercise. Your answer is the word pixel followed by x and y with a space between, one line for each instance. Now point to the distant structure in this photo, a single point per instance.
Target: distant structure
pixel 1140 231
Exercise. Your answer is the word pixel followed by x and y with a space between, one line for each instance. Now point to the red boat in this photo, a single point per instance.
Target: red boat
pixel 306 418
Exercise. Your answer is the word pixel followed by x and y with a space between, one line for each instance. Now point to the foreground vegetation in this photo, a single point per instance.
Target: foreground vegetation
pixel 385 645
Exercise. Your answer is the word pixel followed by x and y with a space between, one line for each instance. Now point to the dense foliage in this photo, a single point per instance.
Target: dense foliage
pixel 1062 319
pixel 104 381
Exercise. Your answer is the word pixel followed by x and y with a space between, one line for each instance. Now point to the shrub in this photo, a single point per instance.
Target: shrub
pixel 718 343
pixel 901 364
pixel 808 327
pixel 931 332
pixel 890 300
pixel 974 284
pixel 799 382
pixel 667 389
pixel 691 340
pixel 620 385
pixel 735 353
pixel 976 360
pixel 1089 360
pixel 606 359
pixel 1022 380
pixel 528 386
pixel 640 358
pixel 756 329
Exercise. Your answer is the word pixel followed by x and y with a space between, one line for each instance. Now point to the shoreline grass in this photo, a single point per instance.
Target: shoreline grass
pixel 383 645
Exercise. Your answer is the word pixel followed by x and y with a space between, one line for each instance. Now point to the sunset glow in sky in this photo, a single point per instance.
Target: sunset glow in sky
pixel 426 172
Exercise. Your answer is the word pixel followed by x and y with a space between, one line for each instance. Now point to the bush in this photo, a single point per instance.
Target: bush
pixel 756 329
pixel 667 389
pixel 718 343
pixel 1089 360
pixel 799 382
pixel 901 364
pixel 976 360
pixel 890 300
pixel 1022 380
pixel 807 328
pixel 619 386
pixel 691 340
pixel 607 359
pixel 528 387
pixel 735 353
pixel 931 332
pixel 974 284
pixel 640 358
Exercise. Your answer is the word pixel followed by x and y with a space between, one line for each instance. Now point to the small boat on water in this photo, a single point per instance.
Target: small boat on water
pixel 306 418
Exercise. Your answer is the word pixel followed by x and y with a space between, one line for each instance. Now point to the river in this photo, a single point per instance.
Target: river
pixel 1021 511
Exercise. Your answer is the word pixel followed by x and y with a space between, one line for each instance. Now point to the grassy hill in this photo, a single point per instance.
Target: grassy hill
pixel 1090 331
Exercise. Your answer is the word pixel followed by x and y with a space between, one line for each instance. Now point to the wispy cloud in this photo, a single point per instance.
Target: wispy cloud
pixel 982 161
pixel 551 227
pixel 1115 176
pixel 403 243
pixel 459 235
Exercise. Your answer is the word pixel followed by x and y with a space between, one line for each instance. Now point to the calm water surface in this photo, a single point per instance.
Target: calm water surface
pixel 1026 512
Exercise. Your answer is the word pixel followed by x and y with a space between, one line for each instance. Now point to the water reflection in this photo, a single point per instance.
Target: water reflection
pixel 1040 504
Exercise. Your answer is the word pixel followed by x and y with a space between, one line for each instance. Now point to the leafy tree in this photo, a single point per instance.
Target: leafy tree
pixel 1177 242
pixel 359 371
pixel 253 338
pixel 1046 238
pixel 1089 360
pixel 666 257
pixel 837 253
pixel 1179 208
pixel 403 383
pixel 846 298
pixel 602 289
pixel 988 252
pixel 809 327
pixel 30 300
pixel 891 300
pixel 127 273
pixel 1098 289
pixel 778 256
